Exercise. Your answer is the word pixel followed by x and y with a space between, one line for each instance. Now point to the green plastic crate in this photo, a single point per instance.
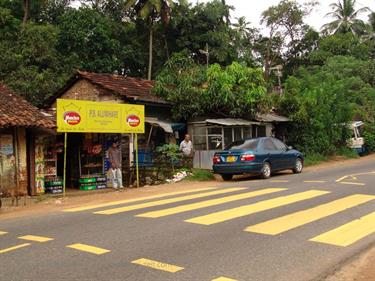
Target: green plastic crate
pixel 53 183
pixel 88 187
pixel 87 180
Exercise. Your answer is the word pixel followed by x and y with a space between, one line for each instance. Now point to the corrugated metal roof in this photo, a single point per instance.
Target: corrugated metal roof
pixel 231 122
pixel 165 125
pixel 271 117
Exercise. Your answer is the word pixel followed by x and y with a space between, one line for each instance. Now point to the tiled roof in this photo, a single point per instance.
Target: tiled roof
pixel 17 112
pixel 132 88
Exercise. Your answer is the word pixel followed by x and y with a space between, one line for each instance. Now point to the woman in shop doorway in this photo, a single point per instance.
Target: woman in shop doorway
pixel 114 155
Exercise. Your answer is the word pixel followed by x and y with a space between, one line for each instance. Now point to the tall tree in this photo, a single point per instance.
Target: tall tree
pixel 284 21
pixel 346 18
pixel 151 11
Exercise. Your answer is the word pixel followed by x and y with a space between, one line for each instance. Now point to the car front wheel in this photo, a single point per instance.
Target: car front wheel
pixel 227 177
pixel 298 166
pixel 266 170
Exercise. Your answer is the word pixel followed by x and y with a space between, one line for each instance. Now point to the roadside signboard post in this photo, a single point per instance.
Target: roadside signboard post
pixel 77 116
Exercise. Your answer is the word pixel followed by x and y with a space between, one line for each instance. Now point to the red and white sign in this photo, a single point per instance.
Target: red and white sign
pixel 72 118
pixel 133 120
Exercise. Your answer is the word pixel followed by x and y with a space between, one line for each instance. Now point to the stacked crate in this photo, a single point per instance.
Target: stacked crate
pixel 53 185
pixel 92 182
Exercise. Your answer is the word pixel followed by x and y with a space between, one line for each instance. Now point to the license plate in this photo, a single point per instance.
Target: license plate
pixel 231 159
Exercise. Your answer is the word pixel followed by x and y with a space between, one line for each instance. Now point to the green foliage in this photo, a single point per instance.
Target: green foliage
pixel 322 100
pixel 345 18
pixel 200 175
pixel 369 136
pixel 235 90
pixel 88 36
pixel 314 159
pixel 347 153
pixel 168 154
pixel 345 44
pixel 31 65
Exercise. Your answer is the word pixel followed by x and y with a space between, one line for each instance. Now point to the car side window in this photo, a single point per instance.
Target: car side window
pixel 269 145
pixel 279 145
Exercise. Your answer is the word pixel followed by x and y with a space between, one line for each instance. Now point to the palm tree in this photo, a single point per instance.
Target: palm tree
pixel 151 10
pixel 345 16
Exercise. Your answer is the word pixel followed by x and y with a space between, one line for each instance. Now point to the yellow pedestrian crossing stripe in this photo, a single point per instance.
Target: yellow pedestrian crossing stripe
pixel 288 222
pixel 349 233
pixel 119 202
pixel 34 238
pixel 353 183
pixel 88 249
pixel 255 208
pixel 223 279
pixel 158 265
pixel 166 201
pixel 279 181
pixel 3 232
pixel 312 181
pixel 208 203
pixel 3 251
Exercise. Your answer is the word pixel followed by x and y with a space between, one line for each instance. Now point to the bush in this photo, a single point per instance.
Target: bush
pixel 168 155
pixel 314 159
pixel 321 100
pixel 201 175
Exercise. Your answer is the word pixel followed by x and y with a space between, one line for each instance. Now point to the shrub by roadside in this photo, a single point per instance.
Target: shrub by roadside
pixel 201 175
pixel 316 158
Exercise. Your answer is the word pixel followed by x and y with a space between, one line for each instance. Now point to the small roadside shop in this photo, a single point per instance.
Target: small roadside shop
pixel 210 135
pixel 20 123
pixel 87 151
pixel 94 126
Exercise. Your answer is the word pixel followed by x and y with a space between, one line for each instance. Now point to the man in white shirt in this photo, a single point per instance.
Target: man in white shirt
pixel 186 147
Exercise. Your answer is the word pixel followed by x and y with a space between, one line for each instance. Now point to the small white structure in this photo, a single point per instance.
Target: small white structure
pixel 357 142
pixel 211 135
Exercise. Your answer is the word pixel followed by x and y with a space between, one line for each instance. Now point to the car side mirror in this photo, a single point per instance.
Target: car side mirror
pixel 290 147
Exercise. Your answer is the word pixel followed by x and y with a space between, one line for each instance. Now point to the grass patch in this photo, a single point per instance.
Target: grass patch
pixel 347 153
pixel 314 159
pixel 342 153
pixel 200 175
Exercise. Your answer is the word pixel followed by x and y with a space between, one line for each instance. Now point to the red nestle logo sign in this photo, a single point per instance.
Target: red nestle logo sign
pixel 133 120
pixel 72 118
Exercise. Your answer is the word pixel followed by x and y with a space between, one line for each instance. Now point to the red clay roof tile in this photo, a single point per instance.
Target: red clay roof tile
pixel 17 112
pixel 130 87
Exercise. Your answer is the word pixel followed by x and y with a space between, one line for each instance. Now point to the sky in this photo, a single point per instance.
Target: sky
pixel 252 10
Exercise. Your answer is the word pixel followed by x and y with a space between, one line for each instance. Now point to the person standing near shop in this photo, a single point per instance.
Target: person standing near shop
pixel 186 147
pixel 114 156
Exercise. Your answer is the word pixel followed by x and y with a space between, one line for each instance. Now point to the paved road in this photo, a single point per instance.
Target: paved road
pixel 291 227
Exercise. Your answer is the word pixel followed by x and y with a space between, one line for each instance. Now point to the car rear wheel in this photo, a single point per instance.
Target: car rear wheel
pixel 266 170
pixel 227 177
pixel 298 166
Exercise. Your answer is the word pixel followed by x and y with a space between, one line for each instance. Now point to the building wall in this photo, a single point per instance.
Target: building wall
pixel 22 160
pixel 14 154
pixel 84 90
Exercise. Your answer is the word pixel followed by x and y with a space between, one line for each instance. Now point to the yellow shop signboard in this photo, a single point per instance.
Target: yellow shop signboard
pixel 77 116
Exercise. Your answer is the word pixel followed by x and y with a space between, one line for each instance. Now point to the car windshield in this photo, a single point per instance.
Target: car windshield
pixel 243 144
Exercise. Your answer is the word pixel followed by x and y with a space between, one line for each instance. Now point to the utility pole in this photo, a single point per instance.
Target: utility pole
pixel 279 74
pixel 206 53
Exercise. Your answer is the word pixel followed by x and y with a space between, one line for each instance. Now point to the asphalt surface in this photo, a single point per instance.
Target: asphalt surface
pixel 179 250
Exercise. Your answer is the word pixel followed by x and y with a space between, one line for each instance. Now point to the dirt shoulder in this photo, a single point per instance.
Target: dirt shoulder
pixel 339 161
pixel 361 268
